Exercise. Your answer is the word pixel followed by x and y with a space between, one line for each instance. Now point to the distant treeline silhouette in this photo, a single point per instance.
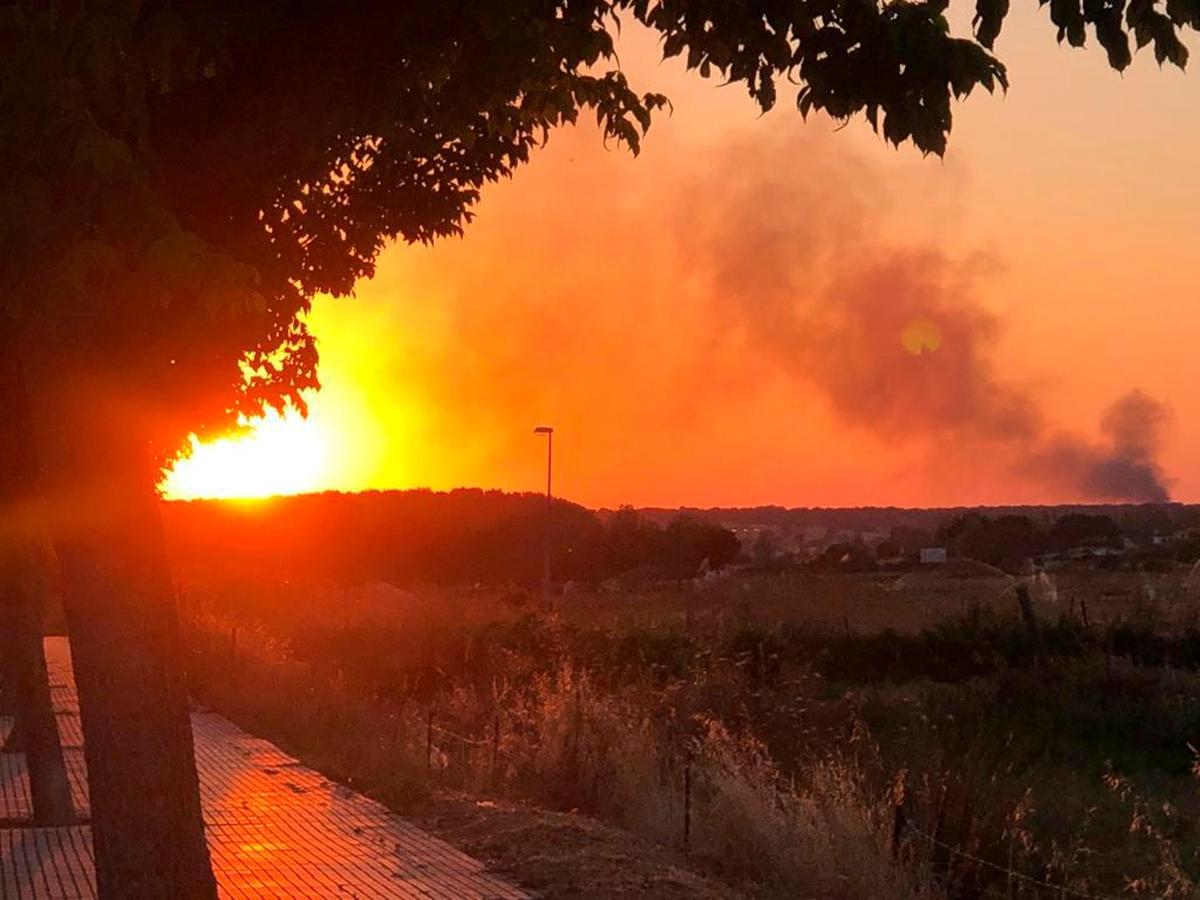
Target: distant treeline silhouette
pixel 463 536
pixel 1137 521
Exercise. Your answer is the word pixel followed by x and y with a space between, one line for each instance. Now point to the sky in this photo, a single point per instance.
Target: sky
pixel 760 310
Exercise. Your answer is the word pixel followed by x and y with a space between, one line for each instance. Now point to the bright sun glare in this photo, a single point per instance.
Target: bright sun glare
pixel 280 455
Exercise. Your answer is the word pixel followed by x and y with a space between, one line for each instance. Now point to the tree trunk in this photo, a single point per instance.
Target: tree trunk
pixel 26 688
pixel 37 725
pixel 8 694
pixel 147 827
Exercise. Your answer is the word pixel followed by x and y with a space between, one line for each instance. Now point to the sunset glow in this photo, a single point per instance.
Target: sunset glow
pixel 813 388
pixel 816 355
pixel 279 455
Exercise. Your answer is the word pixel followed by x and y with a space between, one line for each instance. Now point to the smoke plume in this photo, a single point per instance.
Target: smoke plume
pixel 893 337
pixel 681 318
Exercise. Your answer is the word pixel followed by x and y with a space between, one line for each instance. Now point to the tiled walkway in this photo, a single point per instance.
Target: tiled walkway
pixel 275 828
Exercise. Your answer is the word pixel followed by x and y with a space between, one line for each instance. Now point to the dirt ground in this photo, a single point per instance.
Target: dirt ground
pixel 560 855
pixel 553 855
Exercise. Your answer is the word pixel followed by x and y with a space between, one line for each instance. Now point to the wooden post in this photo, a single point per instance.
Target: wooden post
pixel 573 763
pixel 429 742
pixel 398 715
pixel 939 823
pixel 898 825
pixel 687 802
pixel 1030 620
pixel 495 748
pixel 1009 874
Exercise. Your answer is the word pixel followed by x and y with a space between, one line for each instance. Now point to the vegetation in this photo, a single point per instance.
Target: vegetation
pixel 181 179
pixel 460 537
pixel 843 735
pixel 469 536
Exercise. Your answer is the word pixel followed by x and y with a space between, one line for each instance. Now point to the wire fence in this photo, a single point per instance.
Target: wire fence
pixel 1012 876
pixel 684 765
pixel 904 830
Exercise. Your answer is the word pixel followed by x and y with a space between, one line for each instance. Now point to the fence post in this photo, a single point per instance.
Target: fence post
pixel 495 747
pixel 1009 874
pixel 898 825
pixel 399 729
pixel 1030 619
pixel 687 802
pixel 899 821
pixel 429 742
pixel 573 764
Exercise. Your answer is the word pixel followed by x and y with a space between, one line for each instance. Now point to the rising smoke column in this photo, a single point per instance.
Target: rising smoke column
pixel 893 337
pixel 1124 465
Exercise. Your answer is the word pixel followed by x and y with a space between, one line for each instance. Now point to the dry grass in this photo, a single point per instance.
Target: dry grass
pixel 567 744
pixel 605 704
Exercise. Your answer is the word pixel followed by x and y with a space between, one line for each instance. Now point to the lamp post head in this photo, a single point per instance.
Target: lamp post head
pixel 543 429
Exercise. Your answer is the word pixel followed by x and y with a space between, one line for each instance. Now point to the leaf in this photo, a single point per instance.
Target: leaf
pixel 989 17
pixel 674 44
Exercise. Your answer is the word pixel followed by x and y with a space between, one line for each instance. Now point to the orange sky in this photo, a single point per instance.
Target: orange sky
pixel 723 319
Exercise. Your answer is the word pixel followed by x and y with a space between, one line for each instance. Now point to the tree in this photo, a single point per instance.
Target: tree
pixel 1012 540
pixel 26 686
pixel 766 548
pixel 35 725
pixel 631 542
pixel 1006 541
pixel 845 556
pixel 910 540
pixel 691 540
pixel 1079 529
pixel 962 532
pixel 888 549
pixel 181 178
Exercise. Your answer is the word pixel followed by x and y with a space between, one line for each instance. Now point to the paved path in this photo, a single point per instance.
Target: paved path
pixel 275 828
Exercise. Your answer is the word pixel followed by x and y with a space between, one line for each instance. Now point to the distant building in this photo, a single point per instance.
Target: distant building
pixel 933 555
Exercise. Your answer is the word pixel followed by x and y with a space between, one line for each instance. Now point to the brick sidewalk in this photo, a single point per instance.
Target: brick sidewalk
pixel 275 828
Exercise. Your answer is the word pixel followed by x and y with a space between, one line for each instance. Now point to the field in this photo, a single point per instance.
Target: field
pixel 875 735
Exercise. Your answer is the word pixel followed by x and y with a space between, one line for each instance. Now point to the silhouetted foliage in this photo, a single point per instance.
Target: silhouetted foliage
pixel 1006 541
pixel 1188 548
pixel 1081 529
pixel 766 548
pixel 692 541
pixel 630 541
pixel 462 537
pixel 916 528
pixel 181 179
pixel 845 556
pixel 888 549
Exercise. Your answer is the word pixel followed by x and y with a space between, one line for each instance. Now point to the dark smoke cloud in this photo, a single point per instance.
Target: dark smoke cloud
pixel 894 337
pixel 1124 466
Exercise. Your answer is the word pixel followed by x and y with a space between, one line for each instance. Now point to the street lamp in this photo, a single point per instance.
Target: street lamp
pixel 549 433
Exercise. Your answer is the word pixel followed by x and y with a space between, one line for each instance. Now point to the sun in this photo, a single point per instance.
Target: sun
pixel 921 336
pixel 281 454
